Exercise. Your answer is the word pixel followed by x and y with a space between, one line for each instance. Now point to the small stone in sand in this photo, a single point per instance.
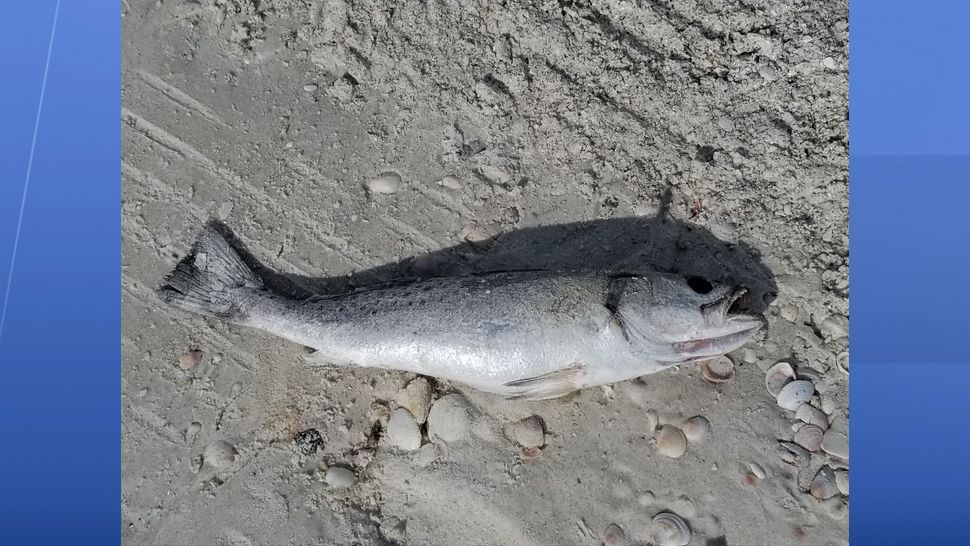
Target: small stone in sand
pixel 449 419
pixel 386 183
pixel 190 359
pixel 309 441
pixel 339 477
pixel 530 432
pixel 402 430
pixel 220 455
pixel 416 398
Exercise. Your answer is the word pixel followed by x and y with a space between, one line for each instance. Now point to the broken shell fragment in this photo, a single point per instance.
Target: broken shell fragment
pixel 836 444
pixel 614 536
pixel 670 530
pixel 808 413
pixel 530 432
pixel 824 486
pixel 778 376
pixel 809 437
pixel 795 394
pixel 718 370
pixel 386 183
pixel 530 453
pixel 416 398
pixel 794 454
pixel 842 481
pixel 190 359
pixel 696 429
pixel 671 441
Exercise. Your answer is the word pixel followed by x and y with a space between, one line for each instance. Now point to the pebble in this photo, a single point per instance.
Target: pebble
pixel 789 312
pixel 416 398
pixel 309 441
pixel 450 182
pixel 449 419
pixel 671 442
pixel 834 327
pixel 190 359
pixel 402 430
pixel 530 432
pixel 828 63
pixel 339 477
pixel 757 470
pixel 220 454
pixel 386 183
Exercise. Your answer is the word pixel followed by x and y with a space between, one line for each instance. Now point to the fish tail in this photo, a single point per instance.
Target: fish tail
pixel 211 280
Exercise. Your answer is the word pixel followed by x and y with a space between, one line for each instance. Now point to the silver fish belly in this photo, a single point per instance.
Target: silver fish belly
pixel 526 334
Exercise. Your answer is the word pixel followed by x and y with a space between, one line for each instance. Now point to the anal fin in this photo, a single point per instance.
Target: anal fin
pixel 548 385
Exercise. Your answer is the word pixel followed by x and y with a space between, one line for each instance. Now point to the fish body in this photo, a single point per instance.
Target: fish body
pixel 527 334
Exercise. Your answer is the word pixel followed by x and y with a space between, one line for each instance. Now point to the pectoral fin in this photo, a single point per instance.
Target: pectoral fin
pixel 546 386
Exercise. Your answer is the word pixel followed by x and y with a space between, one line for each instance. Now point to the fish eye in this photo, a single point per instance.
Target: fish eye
pixel 700 285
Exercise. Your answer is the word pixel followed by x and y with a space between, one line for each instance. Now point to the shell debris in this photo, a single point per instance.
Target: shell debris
pixel 696 429
pixel 778 376
pixel 671 442
pixel 386 183
pixel 339 477
pixel 530 432
pixel 670 530
pixel 718 370
pixel 836 444
pixel 449 419
pixel 824 486
pixel 795 394
pixel 190 359
pixel 614 536
pixel 842 481
pixel 808 413
pixel 416 398
pixel 220 455
pixel 809 437
pixel 403 431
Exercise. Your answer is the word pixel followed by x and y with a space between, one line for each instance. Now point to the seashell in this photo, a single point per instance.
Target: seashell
pixel 795 394
pixel 757 470
pixel 836 444
pixel 339 477
pixel 842 362
pixel 530 453
pixel 220 455
pixel 824 486
pixel 451 182
pixel 403 431
pixel 809 437
pixel 416 398
pixel 778 376
pixel 530 432
pixel 809 374
pixel 389 182
pixel 614 536
pixel 718 370
pixel 671 441
pixel 842 481
pixel 696 429
pixel 808 413
pixel 794 454
pixel 450 419
pixel 670 530
pixel 190 359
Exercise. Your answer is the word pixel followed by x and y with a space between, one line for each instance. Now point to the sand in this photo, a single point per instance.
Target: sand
pixel 694 136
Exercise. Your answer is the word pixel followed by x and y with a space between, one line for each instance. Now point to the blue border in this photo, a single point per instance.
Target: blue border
pixel 910 254
pixel 60 345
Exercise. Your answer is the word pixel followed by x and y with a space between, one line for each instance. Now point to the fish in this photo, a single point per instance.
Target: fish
pixel 524 334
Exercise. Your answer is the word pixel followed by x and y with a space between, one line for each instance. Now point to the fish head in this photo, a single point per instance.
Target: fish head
pixel 680 319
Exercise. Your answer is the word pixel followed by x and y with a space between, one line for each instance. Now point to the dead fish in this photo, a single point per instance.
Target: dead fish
pixel 531 334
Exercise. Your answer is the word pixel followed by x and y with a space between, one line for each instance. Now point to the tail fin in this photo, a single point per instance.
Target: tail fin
pixel 206 281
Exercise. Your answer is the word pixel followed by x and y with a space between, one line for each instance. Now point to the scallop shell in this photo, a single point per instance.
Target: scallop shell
pixel 614 536
pixel 670 530
pixel 529 432
pixel 824 486
pixel 809 437
pixel 808 413
pixel 842 481
pixel 696 429
pixel 671 441
pixel 778 376
pixel 794 454
pixel 718 370
pixel 795 394
pixel 836 444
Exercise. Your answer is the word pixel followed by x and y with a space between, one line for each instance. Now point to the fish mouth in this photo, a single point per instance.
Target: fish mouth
pixel 733 327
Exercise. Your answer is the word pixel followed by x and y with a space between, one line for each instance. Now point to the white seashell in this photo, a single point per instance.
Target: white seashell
pixel 794 454
pixel 718 370
pixel 402 430
pixel 416 398
pixel 795 394
pixel 449 419
pixel 671 441
pixel 809 437
pixel 824 486
pixel 757 470
pixel 386 183
pixel 842 481
pixel 808 413
pixel 670 530
pixel 530 432
pixel 836 444
pixel 220 455
pixel 778 376
pixel 614 536
pixel 339 477
pixel 696 429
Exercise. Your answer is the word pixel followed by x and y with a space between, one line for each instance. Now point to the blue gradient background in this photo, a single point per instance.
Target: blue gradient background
pixel 60 349
pixel 910 186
